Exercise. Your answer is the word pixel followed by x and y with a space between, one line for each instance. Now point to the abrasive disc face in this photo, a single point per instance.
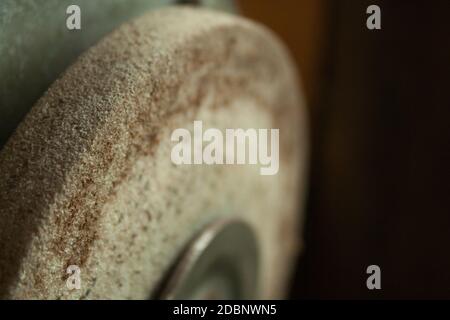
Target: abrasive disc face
pixel 36 46
pixel 88 181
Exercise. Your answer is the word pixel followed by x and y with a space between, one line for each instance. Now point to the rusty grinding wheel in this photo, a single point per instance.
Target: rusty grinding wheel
pixel 87 177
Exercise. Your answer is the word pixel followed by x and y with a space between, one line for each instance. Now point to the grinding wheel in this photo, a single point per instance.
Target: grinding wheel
pixel 36 46
pixel 87 177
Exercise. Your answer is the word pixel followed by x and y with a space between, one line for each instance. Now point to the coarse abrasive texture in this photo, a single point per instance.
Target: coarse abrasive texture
pixel 36 46
pixel 87 178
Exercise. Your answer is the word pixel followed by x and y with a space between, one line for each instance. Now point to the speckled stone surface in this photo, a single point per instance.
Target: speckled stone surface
pixel 87 177
pixel 36 46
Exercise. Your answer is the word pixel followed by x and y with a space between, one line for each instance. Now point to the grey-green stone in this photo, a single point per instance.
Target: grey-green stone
pixel 36 46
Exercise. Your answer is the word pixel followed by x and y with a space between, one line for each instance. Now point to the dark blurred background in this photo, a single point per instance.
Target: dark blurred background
pixel 379 190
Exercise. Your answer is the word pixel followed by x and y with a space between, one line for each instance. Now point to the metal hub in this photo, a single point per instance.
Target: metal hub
pixel 220 263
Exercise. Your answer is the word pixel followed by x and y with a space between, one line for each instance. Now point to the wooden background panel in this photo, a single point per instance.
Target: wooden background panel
pixel 380 115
